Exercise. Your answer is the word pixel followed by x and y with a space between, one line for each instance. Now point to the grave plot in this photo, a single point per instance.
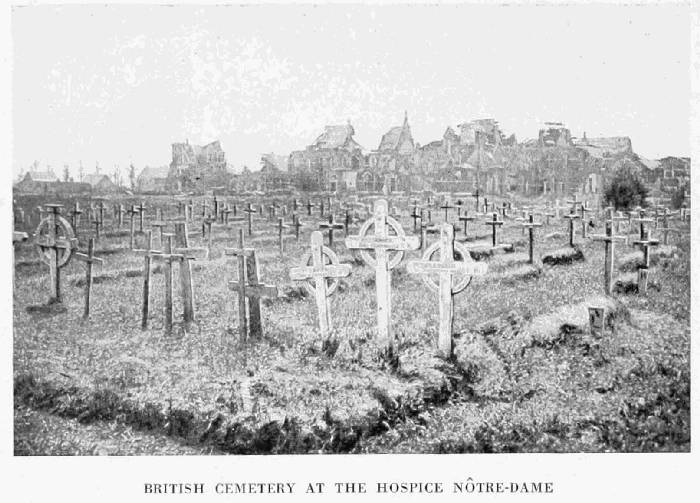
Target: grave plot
pixel 301 386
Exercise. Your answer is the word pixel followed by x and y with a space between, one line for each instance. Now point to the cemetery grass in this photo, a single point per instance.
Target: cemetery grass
pixel 292 392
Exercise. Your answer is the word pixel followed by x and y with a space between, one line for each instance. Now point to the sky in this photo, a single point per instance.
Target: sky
pixel 119 84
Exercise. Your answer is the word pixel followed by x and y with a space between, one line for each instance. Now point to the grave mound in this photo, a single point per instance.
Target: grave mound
pixel 563 256
pixel 632 261
pixel 627 283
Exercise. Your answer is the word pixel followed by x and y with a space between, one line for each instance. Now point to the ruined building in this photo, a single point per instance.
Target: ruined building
pixel 195 168
pixel 331 162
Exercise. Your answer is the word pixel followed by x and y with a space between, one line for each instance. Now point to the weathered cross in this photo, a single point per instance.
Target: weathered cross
pixel 148 252
pixel 572 216
pixel 248 287
pixel 159 223
pixel 530 225
pixel 466 218
pixel 188 253
pixel 446 206
pixel 609 239
pixel 584 225
pixel 643 272
pixel 330 227
pixel 281 226
pixel 89 258
pixel 494 223
pixel 320 265
pixel 55 243
pixel 383 243
pixel 249 210
pixel 132 212
pixel 309 205
pixel 446 268
pixel 666 228
pixel 142 214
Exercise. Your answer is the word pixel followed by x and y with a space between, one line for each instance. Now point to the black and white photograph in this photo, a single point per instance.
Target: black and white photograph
pixel 350 229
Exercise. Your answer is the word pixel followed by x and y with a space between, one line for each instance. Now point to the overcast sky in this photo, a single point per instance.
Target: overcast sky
pixel 120 84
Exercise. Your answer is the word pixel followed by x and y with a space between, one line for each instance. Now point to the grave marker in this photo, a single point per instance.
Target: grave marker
pixel 55 243
pixel 248 287
pixel 609 239
pixel 530 225
pixel 383 243
pixel 320 265
pixel 494 223
pixel 89 258
pixel 446 268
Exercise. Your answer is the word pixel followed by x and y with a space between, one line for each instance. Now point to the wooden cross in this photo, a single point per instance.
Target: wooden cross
pixel 415 216
pixel 666 228
pixel 504 209
pixel 347 222
pixel 382 243
pixel 55 240
pixel 641 219
pixel 75 216
pixel 494 223
pixel 486 205
pixel 584 209
pixel 446 268
pixel 120 215
pixel 573 202
pixel 297 225
pixel 133 211
pixel 466 218
pixel 320 265
pixel 280 234
pixel 321 208
pixel 309 205
pixel 206 224
pixel 476 196
pixel 188 253
pixel 330 227
pixel 572 216
pixel 168 256
pixel 248 287
pixel 609 239
pixel 446 206
pixel 148 253
pixel 96 223
pixel 142 213
pixel 530 224
pixel 216 207
pixel 101 207
pixel 89 258
pixel 159 223
pixel 557 208
pixel 643 272
pixel 249 216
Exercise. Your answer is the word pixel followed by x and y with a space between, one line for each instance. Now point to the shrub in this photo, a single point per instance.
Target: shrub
pixel 625 191
pixel 678 196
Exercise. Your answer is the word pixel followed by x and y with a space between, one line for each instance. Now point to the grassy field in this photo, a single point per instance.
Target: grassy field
pixel 527 373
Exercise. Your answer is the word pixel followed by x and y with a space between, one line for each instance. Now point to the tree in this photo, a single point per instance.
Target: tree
pixel 81 172
pixel 132 177
pixel 66 173
pixel 626 190
pixel 678 196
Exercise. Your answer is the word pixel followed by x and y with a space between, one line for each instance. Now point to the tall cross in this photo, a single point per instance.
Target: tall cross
pixel 249 217
pixel 572 216
pixel 248 287
pixel 383 243
pixel 494 223
pixel 609 239
pixel 89 259
pixel 446 206
pixel 148 252
pixel 466 218
pixel 56 243
pixel 446 268
pixel 530 225
pixel 142 212
pixel 320 265
pixel 643 272
pixel 584 209
pixel 168 256
pixel 330 227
